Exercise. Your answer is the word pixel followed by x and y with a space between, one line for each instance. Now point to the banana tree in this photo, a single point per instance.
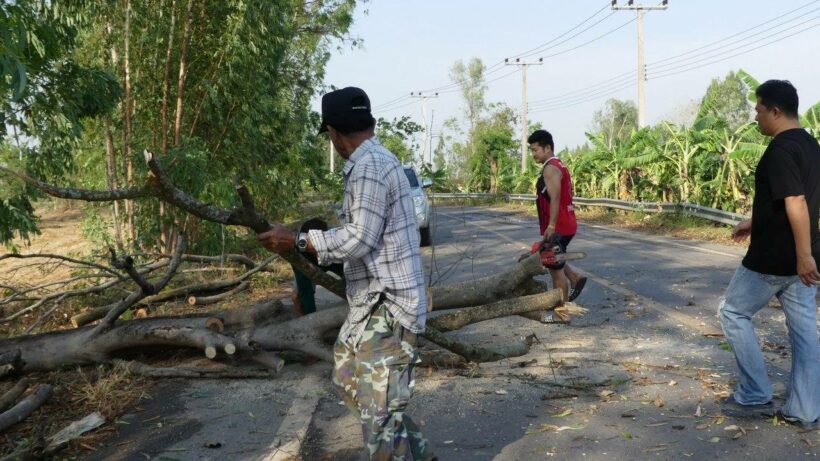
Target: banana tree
pixel 682 148
pixel 737 152
pixel 811 120
pixel 608 156
pixel 585 174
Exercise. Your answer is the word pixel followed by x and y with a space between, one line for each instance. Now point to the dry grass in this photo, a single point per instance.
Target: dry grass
pixel 670 225
pixel 110 390
pixel 78 393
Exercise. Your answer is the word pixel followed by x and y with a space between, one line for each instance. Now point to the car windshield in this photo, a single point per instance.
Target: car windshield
pixel 411 177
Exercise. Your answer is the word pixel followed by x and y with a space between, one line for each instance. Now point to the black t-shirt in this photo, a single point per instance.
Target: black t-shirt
pixel 789 167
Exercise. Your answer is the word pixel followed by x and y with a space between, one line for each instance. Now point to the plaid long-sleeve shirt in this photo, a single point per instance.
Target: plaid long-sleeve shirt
pixel 378 242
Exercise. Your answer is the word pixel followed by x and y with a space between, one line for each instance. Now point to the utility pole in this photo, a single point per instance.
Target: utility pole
pixel 630 5
pixel 427 129
pixel 523 66
pixel 332 157
pixel 430 141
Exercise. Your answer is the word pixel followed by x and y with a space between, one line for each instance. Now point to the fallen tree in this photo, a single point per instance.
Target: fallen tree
pixel 243 333
pixel 247 331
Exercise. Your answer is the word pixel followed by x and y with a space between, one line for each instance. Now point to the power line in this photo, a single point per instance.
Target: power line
pixel 570 94
pixel 455 90
pixel 572 97
pixel 662 75
pixel 593 40
pixel 584 99
pixel 600 89
pixel 736 34
pixel 682 62
pixel 497 67
pixel 535 50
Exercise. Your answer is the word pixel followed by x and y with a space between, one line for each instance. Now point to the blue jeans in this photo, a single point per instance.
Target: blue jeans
pixel 750 291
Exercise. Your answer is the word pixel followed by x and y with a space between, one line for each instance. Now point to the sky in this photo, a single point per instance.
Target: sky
pixel 410 46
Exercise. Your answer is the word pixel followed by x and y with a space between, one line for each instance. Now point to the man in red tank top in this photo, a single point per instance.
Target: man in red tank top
pixel 556 215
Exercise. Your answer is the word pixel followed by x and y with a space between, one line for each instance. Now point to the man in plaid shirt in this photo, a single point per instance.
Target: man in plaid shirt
pixel 378 242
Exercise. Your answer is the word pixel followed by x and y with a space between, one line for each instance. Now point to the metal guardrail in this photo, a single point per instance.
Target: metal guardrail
pixel 711 214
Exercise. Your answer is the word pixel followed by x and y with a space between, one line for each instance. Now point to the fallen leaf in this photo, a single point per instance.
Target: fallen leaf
pixel 566 412
pixel 605 393
pixel 701 427
pixel 630 413
pixel 737 435
pixel 501 392
pixel 661 447
pixel 698 412
pixel 657 424
pixel 447 442
pixel 719 420
pixel 658 402
pixel 715 439
pixel 673 383
pixel 554 428
pixel 626 435
pixel 731 428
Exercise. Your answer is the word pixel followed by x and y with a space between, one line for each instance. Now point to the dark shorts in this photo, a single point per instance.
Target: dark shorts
pixel 563 242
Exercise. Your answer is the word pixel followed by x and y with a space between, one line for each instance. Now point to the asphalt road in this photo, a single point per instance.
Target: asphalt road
pixel 637 377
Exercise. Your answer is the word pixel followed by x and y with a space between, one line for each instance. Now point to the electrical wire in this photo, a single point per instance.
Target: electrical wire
pixel 737 33
pixel 588 98
pixel 612 80
pixel 593 40
pixel 669 74
pixel 755 39
pixel 682 65
pixel 495 68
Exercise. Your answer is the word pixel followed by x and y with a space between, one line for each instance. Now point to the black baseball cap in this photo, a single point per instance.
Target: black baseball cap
pixel 345 103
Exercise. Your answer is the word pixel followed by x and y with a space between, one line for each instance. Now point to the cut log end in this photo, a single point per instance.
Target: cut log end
pixel 230 348
pixel 210 352
pixel 192 300
pixel 215 324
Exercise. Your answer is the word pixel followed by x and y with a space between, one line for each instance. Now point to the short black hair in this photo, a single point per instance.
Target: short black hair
pixel 778 93
pixel 353 124
pixel 542 138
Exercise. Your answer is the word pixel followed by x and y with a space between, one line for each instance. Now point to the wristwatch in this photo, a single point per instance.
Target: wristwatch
pixel 301 242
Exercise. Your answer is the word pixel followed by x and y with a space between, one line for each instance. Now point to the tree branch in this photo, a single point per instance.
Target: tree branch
pixel 63 258
pixel 83 194
pixel 126 304
pixel 127 265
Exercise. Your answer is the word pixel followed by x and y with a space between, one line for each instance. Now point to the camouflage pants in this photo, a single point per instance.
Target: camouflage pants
pixel 375 379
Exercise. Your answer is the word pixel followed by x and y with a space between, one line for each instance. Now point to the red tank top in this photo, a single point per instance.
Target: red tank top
pixel 566 224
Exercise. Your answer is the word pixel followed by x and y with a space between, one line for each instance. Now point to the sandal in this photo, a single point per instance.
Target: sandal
pixel 576 290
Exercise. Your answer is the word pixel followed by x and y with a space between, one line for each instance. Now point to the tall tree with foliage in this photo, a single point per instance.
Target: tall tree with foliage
pixel 46 96
pixel 217 89
pixel 727 100
pixel 615 121
pixel 398 136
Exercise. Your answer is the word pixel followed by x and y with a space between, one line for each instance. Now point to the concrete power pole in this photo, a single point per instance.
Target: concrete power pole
pixel 523 66
pixel 427 128
pixel 630 5
pixel 332 157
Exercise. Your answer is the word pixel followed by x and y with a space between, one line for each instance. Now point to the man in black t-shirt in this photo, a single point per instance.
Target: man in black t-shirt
pixel 781 261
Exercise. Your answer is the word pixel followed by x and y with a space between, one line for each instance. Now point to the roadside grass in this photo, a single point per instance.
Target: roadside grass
pixel 675 225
